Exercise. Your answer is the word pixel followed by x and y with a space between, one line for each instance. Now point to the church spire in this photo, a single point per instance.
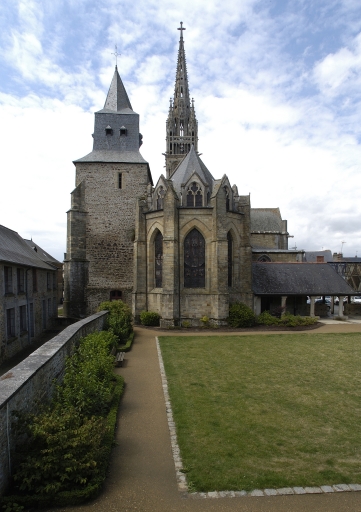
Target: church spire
pixel 182 126
pixel 117 98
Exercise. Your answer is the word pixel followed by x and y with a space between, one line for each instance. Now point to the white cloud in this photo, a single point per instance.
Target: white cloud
pixel 340 69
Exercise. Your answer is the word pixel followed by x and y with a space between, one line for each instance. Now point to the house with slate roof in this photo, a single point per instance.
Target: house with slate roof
pixel 28 294
pixel 185 247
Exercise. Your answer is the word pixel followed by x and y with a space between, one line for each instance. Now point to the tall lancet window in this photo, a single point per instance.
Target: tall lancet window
pixel 194 260
pixel 230 258
pixel 158 258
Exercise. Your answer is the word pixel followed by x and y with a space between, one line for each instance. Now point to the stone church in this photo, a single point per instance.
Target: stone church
pixel 183 247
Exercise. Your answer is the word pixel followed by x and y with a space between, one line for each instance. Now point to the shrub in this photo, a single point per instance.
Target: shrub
pixel 66 447
pixel 119 319
pixel 241 315
pixel 266 318
pixel 287 320
pixel 149 318
pixel 88 375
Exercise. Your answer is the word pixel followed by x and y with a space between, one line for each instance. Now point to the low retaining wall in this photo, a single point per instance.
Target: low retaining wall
pixel 31 382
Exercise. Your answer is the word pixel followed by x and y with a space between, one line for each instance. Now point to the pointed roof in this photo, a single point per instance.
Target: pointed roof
pixel 181 88
pixel 117 98
pixel 191 164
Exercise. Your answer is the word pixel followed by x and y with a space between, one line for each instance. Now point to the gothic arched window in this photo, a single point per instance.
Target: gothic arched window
pixel 158 259
pixel 160 197
pixel 194 195
pixel 194 260
pixel 264 259
pixel 230 258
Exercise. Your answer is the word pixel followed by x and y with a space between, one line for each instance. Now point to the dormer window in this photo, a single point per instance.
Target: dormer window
pixel 108 130
pixel 123 131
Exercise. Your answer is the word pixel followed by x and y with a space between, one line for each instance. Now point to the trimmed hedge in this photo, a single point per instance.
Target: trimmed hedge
pixel 68 444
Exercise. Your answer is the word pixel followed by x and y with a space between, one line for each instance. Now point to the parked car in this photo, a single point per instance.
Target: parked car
pixel 320 301
pixel 337 300
pixel 357 300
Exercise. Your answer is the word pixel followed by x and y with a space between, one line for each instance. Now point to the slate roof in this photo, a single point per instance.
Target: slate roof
pixel 133 157
pixel 13 249
pixel 298 279
pixel 117 98
pixel 190 164
pixel 266 219
pixel 43 255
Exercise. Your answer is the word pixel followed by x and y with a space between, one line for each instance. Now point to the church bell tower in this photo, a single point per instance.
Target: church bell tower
pixel 182 125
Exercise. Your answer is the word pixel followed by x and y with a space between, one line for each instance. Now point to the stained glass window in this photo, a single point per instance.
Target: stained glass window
pixel 194 195
pixel 230 258
pixel 158 268
pixel 194 260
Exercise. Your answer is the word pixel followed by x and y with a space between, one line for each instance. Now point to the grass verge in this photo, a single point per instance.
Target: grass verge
pixel 266 411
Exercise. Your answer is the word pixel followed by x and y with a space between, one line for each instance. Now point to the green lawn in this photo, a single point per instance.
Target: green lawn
pixel 266 411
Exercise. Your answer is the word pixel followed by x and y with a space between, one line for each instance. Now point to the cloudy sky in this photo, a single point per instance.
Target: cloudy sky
pixel 277 89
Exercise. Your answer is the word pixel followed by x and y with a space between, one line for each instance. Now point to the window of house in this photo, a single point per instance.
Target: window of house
pixel 194 195
pixel 49 308
pixel 160 198
pixel 158 258
pixel 320 259
pixel 23 319
pixel 8 278
pixel 35 280
pixel 120 180
pixel 20 274
pixel 10 322
pixel 54 281
pixel 115 295
pixel 108 130
pixel 123 131
pixel 230 258
pixel 194 260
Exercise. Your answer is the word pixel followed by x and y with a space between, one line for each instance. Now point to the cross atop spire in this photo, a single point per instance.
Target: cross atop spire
pixel 181 29
pixel 116 55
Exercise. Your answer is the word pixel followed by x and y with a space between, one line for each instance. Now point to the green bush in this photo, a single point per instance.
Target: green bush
pixel 266 318
pixel 287 320
pixel 68 444
pixel 149 318
pixel 88 375
pixel 119 319
pixel 241 315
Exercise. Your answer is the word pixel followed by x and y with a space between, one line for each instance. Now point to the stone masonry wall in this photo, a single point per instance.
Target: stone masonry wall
pixel 31 383
pixel 110 226
pixel 43 301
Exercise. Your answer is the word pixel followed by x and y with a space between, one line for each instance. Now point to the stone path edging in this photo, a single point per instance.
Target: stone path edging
pixel 182 480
